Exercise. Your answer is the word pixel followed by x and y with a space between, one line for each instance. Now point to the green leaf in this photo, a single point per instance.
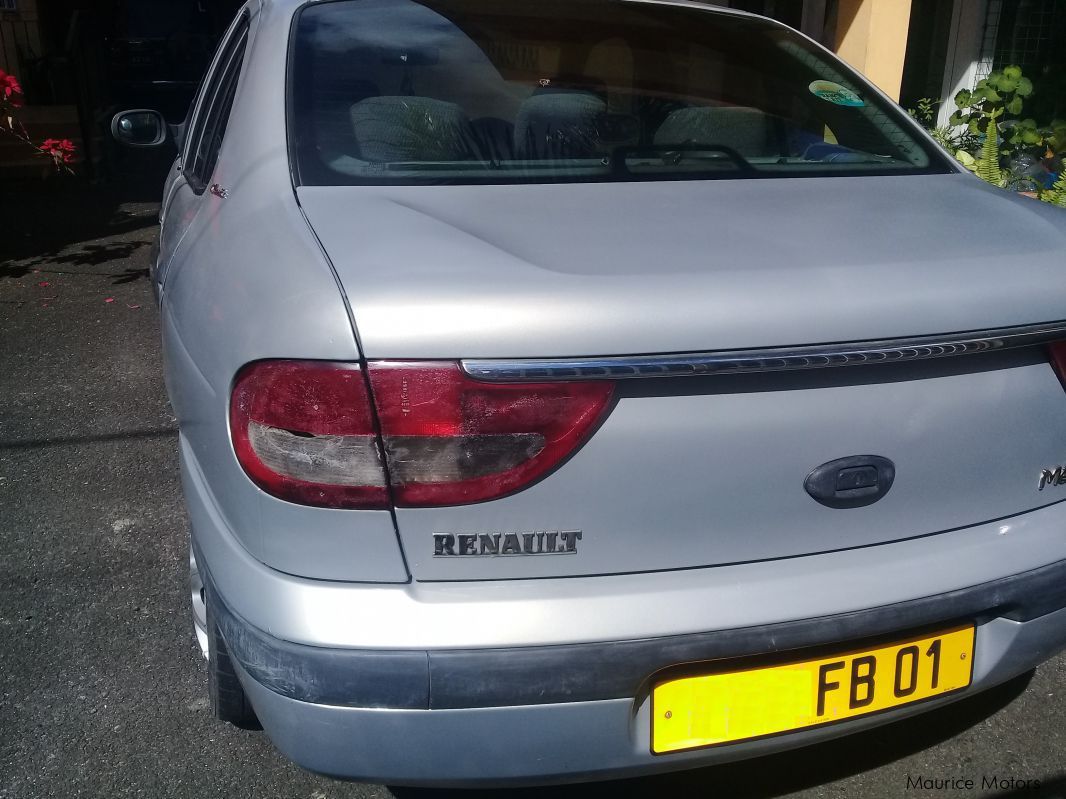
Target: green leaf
pixel 1015 106
pixel 1025 87
pixel 992 95
pixel 1005 84
pixel 964 98
pixel 1031 137
pixel 1056 195
pixel 987 167
pixel 1013 71
pixel 957 119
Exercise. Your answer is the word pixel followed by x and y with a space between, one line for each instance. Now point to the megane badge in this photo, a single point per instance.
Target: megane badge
pixel 1052 477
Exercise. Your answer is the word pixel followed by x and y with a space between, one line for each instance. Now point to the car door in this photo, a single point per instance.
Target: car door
pixel 186 185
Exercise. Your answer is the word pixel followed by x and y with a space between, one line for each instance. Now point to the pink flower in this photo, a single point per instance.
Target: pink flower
pixel 10 90
pixel 61 150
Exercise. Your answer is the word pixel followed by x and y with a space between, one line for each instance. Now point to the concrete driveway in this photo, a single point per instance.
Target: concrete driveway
pixel 102 691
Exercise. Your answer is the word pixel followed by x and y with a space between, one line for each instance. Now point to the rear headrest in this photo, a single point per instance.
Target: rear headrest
pixel 749 131
pixel 331 107
pixel 558 124
pixel 395 128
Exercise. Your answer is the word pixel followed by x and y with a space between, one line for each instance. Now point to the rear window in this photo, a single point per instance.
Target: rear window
pixel 511 91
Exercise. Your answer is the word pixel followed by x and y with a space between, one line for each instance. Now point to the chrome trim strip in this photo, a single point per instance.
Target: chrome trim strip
pixel 779 359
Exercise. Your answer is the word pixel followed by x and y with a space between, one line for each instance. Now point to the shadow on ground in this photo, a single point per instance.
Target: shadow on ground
pixel 1052 789
pixel 41 218
pixel 89 255
pixel 96 254
pixel 778 775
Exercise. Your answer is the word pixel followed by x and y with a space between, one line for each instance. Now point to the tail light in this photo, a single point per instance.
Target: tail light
pixel 305 431
pixel 1057 355
pixel 450 439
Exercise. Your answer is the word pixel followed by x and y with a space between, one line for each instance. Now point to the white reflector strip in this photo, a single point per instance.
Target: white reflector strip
pixel 334 460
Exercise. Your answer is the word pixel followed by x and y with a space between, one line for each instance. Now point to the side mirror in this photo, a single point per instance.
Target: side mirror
pixel 140 127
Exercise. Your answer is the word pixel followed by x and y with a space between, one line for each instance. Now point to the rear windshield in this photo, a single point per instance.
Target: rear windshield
pixel 511 91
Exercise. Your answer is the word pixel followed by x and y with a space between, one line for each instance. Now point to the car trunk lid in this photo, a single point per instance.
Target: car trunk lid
pixel 710 470
pixel 619 269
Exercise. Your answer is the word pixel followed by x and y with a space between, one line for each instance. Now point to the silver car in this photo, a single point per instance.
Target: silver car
pixel 586 388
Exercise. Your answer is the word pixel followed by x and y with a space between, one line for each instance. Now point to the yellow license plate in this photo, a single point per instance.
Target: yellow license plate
pixel 731 706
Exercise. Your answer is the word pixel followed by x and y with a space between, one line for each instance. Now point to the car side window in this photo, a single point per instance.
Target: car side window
pixel 209 126
pixel 194 122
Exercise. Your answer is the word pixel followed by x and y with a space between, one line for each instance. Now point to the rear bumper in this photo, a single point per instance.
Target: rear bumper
pixel 547 680
pixel 566 741
pixel 451 679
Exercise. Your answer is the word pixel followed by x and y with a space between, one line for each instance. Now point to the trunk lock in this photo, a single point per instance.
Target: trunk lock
pixel 851 482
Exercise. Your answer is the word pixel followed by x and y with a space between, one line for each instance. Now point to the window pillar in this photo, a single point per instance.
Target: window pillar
pixel 966 59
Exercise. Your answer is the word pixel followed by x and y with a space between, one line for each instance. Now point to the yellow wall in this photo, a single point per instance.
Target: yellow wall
pixel 871 35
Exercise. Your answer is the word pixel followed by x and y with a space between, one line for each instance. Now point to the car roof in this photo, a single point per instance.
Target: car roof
pixel 293 5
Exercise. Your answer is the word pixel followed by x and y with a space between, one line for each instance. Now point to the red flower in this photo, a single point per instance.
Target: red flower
pixel 61 150
pixel 10 90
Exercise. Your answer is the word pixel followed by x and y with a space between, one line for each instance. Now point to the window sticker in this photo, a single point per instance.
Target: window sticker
pixel 835 93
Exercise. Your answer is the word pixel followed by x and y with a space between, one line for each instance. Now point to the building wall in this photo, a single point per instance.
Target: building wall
pixel 966 61
pixel 871 35
pixel 20 34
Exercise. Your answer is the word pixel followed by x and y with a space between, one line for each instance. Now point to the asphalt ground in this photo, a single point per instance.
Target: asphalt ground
pixel 102 690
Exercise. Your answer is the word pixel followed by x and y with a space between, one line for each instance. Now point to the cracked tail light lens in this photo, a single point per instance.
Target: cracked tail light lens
pixel 305 431
pixel 450 439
